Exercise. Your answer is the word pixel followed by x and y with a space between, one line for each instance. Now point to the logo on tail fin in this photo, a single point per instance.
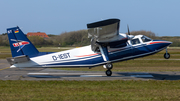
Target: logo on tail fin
pixel 16 31
pixel 19 43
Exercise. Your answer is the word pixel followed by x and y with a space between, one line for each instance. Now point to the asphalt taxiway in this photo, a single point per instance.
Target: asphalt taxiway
pixel 7 73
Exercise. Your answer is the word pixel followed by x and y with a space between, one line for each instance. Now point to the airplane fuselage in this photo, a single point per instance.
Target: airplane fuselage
pixel 85 57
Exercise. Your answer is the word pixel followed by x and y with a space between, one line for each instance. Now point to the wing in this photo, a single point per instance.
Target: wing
pixel 105 33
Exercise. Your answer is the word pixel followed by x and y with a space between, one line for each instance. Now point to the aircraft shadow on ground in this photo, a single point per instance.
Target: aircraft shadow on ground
pixel 52 76
pixel 153 76
pixel 123 75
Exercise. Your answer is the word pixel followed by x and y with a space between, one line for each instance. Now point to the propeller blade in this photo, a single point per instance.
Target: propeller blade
pixel 128 30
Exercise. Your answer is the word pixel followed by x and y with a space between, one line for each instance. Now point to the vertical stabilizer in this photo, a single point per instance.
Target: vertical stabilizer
pixel 19 43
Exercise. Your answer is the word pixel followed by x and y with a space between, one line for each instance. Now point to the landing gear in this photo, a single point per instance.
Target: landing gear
pixel 108 72
pixel 105 55
pixel 109 66
pixel 166 55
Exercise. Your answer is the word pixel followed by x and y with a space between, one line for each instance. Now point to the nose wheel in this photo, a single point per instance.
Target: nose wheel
pixel 108 66
pixel 166 55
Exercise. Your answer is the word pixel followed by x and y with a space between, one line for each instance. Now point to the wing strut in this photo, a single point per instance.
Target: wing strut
pixel 104 53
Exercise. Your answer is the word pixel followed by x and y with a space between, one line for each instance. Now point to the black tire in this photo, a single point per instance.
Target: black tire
pixel 109 66
pixel 166 55
pixel 108 72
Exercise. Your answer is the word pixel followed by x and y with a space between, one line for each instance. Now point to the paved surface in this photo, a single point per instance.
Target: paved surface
pixel 7 73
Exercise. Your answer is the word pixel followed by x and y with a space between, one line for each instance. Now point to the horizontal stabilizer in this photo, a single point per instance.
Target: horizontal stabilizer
pixel 18 59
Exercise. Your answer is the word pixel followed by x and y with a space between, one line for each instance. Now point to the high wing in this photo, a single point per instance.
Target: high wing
pixel 105 33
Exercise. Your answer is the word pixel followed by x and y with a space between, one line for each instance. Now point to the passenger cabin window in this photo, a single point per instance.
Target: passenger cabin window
pixel 145 39
pixel 135 41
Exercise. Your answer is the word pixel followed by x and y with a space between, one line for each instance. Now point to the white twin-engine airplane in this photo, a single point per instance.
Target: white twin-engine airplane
pixel 107 46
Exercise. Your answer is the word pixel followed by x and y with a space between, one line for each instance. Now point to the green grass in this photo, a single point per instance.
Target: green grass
pixel 118 90
pixel 4 49
pixel 4 56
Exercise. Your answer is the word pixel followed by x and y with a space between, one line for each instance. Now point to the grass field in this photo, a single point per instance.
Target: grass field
pixel 90 90
pixel 118 90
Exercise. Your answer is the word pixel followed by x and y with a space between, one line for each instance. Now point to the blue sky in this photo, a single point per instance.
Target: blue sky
pixel 56 16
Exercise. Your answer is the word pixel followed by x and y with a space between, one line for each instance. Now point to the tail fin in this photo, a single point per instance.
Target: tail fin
pixel 19 43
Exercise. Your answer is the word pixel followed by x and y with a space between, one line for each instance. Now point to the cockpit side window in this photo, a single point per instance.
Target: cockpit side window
pixel 135 41
pixel 145 39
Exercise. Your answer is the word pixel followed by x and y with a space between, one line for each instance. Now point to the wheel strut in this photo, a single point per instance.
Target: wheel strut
pixel 166 55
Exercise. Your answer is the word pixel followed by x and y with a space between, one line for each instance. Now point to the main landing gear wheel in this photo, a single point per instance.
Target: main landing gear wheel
pixel 108 72
pixel 166 55
pixel 109 66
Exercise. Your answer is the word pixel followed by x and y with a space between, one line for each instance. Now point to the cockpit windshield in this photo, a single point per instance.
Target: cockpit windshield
pixel 145 39
pixel 140 39
pixel 135 41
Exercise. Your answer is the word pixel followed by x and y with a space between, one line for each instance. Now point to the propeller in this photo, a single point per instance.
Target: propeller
pixel 128 30
pixel 129 35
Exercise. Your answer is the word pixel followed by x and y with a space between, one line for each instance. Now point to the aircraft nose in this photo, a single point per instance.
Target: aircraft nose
pixel 167 43
pixel 161 43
